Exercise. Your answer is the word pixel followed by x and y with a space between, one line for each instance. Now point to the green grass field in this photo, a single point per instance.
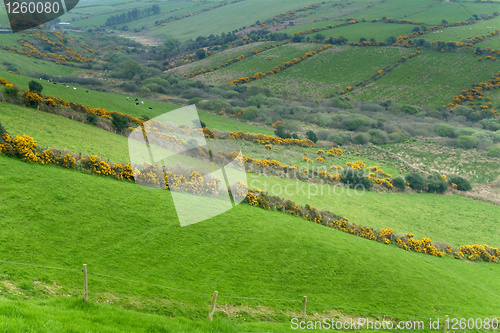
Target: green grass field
pixel 74 315
pixel 194 26
pixel 332 71
pixel 118 102
pixel 27 65
pixel 442 218
pixel 63 218
pixel 466 32
pixel 431 79
pixel 371 209
pixel 101 15
pixel 367 30
pixel 262 62
pixel 398 9
pixel 220 58
pixel 453 12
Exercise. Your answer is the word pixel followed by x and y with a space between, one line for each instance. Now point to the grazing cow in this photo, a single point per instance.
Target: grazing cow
pixel 74 88
pixel 136 100
pixel 150 108
pixel 128 98
pixel 142 102
pixel 136 103
pixel 88 92
pixel 55 83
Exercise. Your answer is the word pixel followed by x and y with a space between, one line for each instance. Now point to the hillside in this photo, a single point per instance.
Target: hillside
pixel 196 258
pixel 370 135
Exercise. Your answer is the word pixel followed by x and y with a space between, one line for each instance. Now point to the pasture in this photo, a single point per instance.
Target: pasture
pixel 63 218
pixel 429 80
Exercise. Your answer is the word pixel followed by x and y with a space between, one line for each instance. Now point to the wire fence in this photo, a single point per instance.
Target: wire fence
pixel 298 300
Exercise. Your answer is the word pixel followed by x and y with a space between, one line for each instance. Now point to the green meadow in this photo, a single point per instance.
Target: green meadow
pixel 118 102
pixel 444 75
pixel 354 32
pixel 332 71
pixel 63 218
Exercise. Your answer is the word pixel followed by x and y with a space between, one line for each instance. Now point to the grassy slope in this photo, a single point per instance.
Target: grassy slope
pixel 453 12
pixel 75 316
pixel 228 18
pixel 185 7
pixel 333 70
pixel 442 218
pixel 403 213
pixel 244 252
pixel 118 102
pixel 220 58
pixel 27 65
pixel 367 30
pixel 466 32
pixel 261 62
pixel 437 72
pixel 394 8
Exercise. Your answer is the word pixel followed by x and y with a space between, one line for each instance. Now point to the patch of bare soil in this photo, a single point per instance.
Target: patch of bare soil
pixel 144 39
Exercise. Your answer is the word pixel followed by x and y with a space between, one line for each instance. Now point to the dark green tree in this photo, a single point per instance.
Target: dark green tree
pixel 35 86
pixel 119 121
pixel 416 181
pixel 200 54
pixel 312 136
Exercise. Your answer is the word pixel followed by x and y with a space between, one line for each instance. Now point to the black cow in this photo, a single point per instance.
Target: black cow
pixel 150 108
pixel 136 103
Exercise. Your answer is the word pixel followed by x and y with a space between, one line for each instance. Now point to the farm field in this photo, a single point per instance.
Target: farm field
pixel 453 12
pixel 450 219
pixel 466 32
pixel 220 58
pixel 27 65
pixel 378 111
pixel 332 70
pixel 370 209
pixel 195 26
pixel 262 62
pixel 437 72
pixel 396 9
pixel 167 10
pixel 118 102
pixel 179 257
pixel 367 30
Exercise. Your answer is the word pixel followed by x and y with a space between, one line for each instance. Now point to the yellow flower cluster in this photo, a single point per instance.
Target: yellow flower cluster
pixel 420 246
pixel 307 160
pixel 25 147
pixel 477 92
pixel 320 152
pixel 320 159
pixel 268 139
pixel 4 82
pixel 480 252
pixel 268 147
pixel 335 151
pixel 358 165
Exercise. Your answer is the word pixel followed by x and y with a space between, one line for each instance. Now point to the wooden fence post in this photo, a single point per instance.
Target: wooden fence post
pixel 304 303
pixel 85 285
pixel 212 306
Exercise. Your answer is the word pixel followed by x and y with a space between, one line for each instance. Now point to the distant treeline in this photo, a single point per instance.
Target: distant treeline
pixel 132 15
